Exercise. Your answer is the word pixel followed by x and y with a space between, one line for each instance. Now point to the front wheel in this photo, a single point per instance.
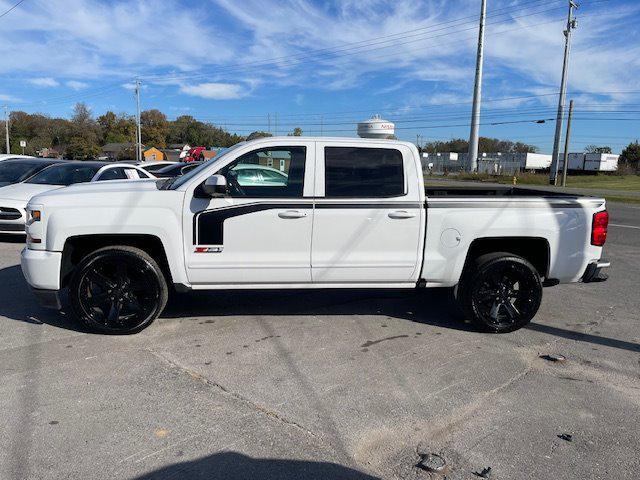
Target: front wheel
pixel 500 292
pixel 118 290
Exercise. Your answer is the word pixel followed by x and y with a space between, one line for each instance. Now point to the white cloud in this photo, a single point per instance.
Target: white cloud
pixel 214 91
pixel 93 38
pixel 8 98
pixel 527 50
pixel 202 45
pixel 44 82
pixel 76 85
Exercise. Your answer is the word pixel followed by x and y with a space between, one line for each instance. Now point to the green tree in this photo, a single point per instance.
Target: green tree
pixel 186 129
pixel 297 132
pixel 155 128
pixel 631 156
pixel 597 149
pixel 79 148
pixel 258 134
pixel 117 128
pixel 84 143
pixel 492 145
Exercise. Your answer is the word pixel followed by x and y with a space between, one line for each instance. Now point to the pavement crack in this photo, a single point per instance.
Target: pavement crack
pixel 235 395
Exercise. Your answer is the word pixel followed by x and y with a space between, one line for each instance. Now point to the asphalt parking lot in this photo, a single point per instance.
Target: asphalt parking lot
pixel 294 385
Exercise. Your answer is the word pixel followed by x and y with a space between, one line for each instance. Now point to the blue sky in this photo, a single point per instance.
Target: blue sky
pixel 326 65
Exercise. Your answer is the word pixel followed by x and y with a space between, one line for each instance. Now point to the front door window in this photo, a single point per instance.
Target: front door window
pixel 253 176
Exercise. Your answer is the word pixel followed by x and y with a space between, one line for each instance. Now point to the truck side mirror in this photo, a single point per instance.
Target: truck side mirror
pixel 215 186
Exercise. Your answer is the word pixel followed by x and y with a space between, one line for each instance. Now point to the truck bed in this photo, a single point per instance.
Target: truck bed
pixel 501 191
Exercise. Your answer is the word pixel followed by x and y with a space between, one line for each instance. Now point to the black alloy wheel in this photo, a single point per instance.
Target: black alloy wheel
pixel 118 290
pixel 501 293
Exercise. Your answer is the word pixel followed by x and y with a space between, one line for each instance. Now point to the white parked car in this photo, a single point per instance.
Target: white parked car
pixel 14 198
pixel 154 166
pixel 351 213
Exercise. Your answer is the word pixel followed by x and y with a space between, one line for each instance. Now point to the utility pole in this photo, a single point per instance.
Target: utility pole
pixel 269 122
pixel 276 125
pixel 321 125
pixel 6 128
pixel 138 125
pixel 572 23
pixel 567 138
pixel 477 94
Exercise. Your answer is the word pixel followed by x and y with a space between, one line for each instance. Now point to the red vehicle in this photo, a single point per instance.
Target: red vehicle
pixel 195 154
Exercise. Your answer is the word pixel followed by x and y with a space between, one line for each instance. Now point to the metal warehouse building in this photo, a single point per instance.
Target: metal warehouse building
pixel 591 162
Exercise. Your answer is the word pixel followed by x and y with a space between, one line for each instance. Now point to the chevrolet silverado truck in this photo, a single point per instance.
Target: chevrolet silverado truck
pixel 339 213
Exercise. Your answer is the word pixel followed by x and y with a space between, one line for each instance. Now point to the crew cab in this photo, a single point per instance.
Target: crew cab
pixel 346 213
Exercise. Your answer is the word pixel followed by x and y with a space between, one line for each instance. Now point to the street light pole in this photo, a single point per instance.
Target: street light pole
pixel 6 127
pixel 555 157
pixel 567 138
pixel 477 94
pixel 138 125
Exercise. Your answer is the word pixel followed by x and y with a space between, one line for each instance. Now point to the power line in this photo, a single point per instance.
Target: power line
pixel 393 116
pixel 349 46
pixel 6 12
pixel 228 69
pixel 360 46
pixel 266 62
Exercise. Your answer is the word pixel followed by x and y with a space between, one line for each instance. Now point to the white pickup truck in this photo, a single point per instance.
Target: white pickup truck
pixel 297 212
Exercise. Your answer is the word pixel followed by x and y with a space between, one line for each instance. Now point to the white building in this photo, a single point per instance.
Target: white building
pixel 440 161
pixel 524 161
pixel 591 162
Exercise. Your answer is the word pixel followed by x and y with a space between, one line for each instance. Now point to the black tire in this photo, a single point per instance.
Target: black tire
pixel 500 292
pixel 118 290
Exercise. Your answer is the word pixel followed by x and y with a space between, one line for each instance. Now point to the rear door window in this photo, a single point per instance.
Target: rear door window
pixel 363 172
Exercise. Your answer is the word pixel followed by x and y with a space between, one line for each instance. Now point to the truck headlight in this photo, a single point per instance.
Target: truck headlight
pixel 34 227
pixel 33 216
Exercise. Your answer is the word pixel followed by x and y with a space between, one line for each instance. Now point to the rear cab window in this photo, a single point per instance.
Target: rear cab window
pixel 363 172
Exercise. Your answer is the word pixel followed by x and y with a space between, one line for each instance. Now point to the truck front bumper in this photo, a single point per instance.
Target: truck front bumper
pixel 594 273
pixel 41 268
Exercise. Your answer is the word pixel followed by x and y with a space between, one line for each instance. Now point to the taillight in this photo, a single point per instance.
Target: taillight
pixel 599 228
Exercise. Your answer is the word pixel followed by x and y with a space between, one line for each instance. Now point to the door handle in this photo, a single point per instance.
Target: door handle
pixel 292 214
pixel 401 214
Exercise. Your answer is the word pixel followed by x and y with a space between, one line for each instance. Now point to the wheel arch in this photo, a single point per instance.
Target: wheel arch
pixel 78 247
pixel 535 250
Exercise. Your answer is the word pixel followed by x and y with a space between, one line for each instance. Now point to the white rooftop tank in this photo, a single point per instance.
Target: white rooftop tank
pixel 376 127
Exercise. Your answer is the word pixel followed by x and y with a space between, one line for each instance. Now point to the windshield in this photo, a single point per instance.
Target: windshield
pixel 177 182
pixel 171 168
pixel 65 174
pixel 14 171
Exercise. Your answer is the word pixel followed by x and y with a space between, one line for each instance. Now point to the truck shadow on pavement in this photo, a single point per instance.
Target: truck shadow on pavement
pixel 18 303
pixel 435 306
pixel 236 466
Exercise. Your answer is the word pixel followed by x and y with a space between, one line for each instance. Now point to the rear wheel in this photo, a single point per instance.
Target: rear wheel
pixel 500 292
pixel 118 290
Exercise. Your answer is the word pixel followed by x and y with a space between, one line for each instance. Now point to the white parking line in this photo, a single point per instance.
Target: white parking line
pixel 623 226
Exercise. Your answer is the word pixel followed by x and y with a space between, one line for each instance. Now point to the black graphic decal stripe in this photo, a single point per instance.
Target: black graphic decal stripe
pixel 209 224
pixel 371 205
pixel 503 204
